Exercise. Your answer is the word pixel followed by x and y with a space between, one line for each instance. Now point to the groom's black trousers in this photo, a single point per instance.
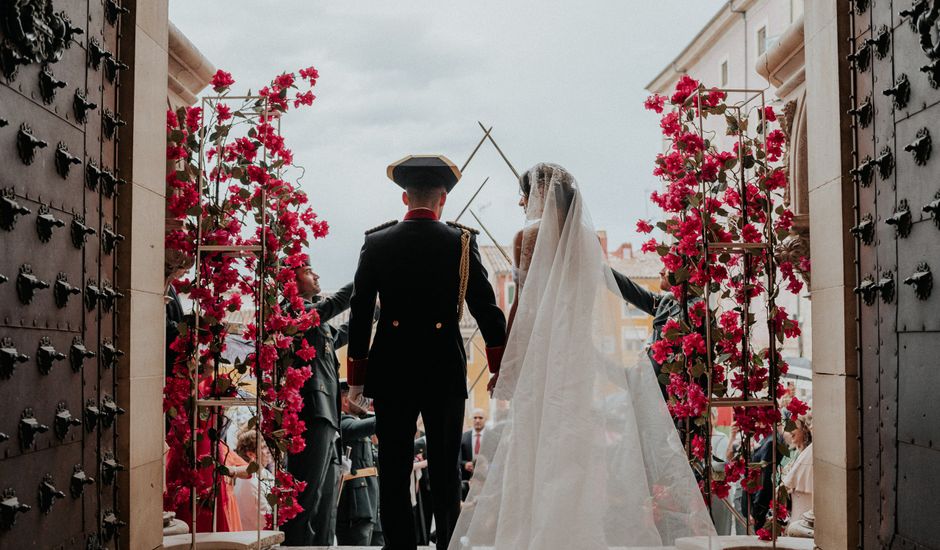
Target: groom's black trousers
pixel 395 419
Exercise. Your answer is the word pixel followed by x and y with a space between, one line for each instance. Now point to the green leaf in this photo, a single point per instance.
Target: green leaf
pixel 253 468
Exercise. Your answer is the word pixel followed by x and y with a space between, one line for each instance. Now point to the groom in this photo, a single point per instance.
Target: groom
pixel 422 271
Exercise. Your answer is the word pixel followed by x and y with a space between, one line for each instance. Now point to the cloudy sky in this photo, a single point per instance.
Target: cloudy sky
pixel 558 81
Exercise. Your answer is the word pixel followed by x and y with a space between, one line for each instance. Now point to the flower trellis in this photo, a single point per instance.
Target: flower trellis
pixel 724 217
pixel 246 227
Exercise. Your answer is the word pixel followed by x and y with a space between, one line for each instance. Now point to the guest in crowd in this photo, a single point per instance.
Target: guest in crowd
pixel 251 509
pixel 318 464
pixel 470 446
pixel 798 479
pixel 760 500
pixel 357 515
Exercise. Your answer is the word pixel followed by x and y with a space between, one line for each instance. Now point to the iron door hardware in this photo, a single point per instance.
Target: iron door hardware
pixel 881 42
pixel 865 230
pixel 78 353
pixel 9 357
pixel 92 414
pixel 933 208
pixel 64 160
pixel 885 162
pixel 33 35
pixel 64 421
pixel 109 239
pixel 81 106
pixel 109 182
pixel 863 113
pixel 920 147
pixel 932 70
pixel 62 290
pixel 27 284
pixel 864 171
pixel 885 287
pixel 27 143
pixel 10 506
pixel 110 354
pixel 109 411
pixel 901 220
pixel 92 294
pixel 109 295
pixel 78 481
pixel 29 428
pixel 861 59
pixel 900 92
pixel 110 122
pixel 48 84
pixel 867 290
pixel 109 467
pixel 110 525
pixel 80 231
pixel 861 6
pixel 113 10
pixel 10 210
pixel 46 222
pixel 46 355
pixel 921 280
pixel 48 494
pixel 111 67
pixel 96 52
pixel 917 9
pixel 92 175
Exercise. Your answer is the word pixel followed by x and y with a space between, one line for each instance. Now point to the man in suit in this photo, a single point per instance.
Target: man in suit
pixel 358 511
pixel 470 447
pixel 318 463
pixel 422 271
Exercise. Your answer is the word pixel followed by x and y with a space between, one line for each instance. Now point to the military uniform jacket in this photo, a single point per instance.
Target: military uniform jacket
pixel 321 391
pixel 413 267
pixel 359 499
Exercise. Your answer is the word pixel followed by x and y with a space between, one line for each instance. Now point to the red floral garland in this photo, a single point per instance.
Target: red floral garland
pixel 243 178
pixel 690 161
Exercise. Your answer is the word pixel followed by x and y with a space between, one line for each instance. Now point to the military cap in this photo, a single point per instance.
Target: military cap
pixel 424 170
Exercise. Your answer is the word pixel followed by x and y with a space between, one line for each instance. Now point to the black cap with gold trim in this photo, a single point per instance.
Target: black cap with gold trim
pixel 422 170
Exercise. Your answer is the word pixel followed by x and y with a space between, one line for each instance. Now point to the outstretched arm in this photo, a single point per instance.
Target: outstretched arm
pixel 640 297
pixel 328 308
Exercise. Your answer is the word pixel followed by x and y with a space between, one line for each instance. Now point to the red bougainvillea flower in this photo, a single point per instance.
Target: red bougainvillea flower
pixel 655 103
pixel 797 408
pixel 221 81
pixel 643 226
pixel 223 112
pixel 769 114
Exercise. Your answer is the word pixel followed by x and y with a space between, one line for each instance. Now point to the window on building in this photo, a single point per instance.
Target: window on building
pixel 629 311
pixel 632 338
pixel 761 40
pixel 510 294
pixel 724 72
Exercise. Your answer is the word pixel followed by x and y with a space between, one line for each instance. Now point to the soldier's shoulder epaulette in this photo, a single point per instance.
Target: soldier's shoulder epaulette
pixel 381 227
pixel 463 227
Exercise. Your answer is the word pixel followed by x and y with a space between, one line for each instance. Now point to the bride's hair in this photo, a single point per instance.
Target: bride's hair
pixel 545 173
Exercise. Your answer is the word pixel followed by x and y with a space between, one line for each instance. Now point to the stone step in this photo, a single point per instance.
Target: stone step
pixel 235 540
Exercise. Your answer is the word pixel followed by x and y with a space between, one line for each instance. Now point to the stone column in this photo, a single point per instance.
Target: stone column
pixel 142 163
pixel 831 199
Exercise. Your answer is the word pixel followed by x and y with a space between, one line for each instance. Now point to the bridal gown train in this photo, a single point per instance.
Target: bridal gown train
pixel 588 457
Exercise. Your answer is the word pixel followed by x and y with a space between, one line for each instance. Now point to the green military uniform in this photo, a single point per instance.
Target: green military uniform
pixel 357 515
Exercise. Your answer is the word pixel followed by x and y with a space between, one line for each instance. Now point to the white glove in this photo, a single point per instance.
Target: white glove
pixel 358 402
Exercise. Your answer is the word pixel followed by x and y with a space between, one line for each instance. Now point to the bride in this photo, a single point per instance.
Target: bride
pixel 588 457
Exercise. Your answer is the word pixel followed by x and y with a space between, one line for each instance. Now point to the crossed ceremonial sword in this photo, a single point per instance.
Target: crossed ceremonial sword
pixel 486 136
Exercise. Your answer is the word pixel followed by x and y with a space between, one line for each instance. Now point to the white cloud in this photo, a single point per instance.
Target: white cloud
pixel 560 81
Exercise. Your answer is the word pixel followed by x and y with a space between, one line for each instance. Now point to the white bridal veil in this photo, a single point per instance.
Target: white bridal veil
pixel 588 457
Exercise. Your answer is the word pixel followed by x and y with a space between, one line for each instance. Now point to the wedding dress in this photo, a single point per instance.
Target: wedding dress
pixel 588 457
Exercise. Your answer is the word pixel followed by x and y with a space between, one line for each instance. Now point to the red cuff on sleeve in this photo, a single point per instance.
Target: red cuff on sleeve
pixel 494 356
pixel 356 371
